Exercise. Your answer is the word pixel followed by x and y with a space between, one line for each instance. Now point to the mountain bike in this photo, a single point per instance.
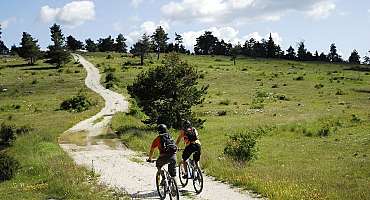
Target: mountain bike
pixel 166 184
pixel 194 173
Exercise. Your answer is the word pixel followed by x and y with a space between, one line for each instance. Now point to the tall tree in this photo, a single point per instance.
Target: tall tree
pixel 121 45
pixel 73 44
pixel 271 48
pixel 291 55
pixel 141 48
pixel 178 42
pixel 3 48
pixel 354 58
pixel 91 46
pixel 302 51
pixel 106 44
pixel 57 51
pixel 323 57
pixel 174 90
pixel 235 51
pixel 159 38
pixel 29 49
pixel 367 60
pixel 333 55
pixel 205 44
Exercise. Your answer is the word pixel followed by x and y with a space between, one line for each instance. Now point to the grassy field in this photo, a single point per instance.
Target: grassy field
pixel 31 98
pixel 294 103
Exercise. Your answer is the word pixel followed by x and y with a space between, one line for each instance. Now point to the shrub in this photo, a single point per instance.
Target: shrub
pixel 7 134
pixel 77 103
pixel 281 97
pixel 8 167
pixel 109 69
pixel 274 86
pixel 109 56
pixel 355 119
pixel 339 92
pixel 225 102
pixel 319 86
pixel 34 81
pixel 241 146
pixel 222 113
pixel 110 78
pixel 173 90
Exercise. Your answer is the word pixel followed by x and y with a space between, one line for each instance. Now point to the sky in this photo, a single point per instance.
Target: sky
pixel 316 22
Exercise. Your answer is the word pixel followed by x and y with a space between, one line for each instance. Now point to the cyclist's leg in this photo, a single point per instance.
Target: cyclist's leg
pixel 197 153
pixel 185 156
pixel 172 165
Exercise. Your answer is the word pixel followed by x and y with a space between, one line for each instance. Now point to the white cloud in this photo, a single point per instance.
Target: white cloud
pixel 147 27
pixel 136 3
pixel 228 34
pixel 368 10
pixel 321 10
pixel 5 23
pixel 72 14
pixel 227 11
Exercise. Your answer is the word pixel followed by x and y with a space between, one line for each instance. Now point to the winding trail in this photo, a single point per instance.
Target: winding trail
pixel 122 168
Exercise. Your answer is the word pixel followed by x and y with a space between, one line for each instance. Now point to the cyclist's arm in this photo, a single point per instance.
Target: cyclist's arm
pixel 155 144
pixel 181 135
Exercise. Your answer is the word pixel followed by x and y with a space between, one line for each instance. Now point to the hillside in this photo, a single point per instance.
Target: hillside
pixel 314 118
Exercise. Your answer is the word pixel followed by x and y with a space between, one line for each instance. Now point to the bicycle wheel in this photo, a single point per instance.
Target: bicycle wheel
pixel 197 179
pixel 161 184
pixel 183 181
pixel 174 191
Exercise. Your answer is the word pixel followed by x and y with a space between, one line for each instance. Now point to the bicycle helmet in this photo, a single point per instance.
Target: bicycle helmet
pixel 162 128
pixel 186 124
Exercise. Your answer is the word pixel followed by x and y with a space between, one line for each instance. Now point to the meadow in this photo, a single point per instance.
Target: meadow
pixel 30 97
pixel 314 119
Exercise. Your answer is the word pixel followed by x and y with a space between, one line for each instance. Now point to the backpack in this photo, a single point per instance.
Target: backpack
pixel 191 134
pixel 168 144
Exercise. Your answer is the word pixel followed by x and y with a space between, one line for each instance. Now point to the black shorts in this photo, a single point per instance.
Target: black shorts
pixel 192 148
pixel 170 160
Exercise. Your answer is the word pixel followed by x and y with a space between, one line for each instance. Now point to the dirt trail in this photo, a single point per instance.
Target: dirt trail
pixel 120 167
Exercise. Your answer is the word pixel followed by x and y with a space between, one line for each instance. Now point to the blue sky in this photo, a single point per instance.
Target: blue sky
pixel 318 22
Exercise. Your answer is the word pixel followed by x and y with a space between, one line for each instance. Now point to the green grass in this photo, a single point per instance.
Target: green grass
pixel 294 161
pixel 33 97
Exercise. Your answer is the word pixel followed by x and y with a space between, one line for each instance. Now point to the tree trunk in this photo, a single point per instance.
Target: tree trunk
pixel 234 61
pixel 159 51
pixel 142 59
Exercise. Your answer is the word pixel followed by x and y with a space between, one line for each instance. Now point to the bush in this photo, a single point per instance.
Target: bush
pixel 298 78
pixel 109 56
pixel 241 146
pixel 7 134
pixel 34 81
pixel 225 102
pixel 173 90
pixel 319 86
pixel 339 92
pixel 8 167
pixel 222 113
pixel 77 103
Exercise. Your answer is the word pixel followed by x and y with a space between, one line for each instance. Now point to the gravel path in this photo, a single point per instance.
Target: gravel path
pixel 120 167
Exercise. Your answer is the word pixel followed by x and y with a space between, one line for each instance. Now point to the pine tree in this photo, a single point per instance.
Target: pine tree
pixel 178 42
pixel 57 51
pixel 3 48
pixel 73 44
pixel 29 49
pixel 291 55
pixel 91 46
pixel 159 38
pixel 302 51
pixel 271 48
pixel 121 45
pixel 333 55
pixel 354 58
pixel 141 48
pixel 235 51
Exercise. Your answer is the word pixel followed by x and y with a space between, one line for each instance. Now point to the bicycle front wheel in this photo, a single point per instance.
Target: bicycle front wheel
pixel 197 180
pixel 161 184
pixel 174 191
pixel 183 180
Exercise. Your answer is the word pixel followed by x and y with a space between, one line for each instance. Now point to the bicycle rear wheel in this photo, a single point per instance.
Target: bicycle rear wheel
pixel 161 184
pixel 182 172
pixel 197 180
pixel 174 191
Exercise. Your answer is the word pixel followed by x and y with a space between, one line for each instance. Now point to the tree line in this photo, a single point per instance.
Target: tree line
pixel 206 44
